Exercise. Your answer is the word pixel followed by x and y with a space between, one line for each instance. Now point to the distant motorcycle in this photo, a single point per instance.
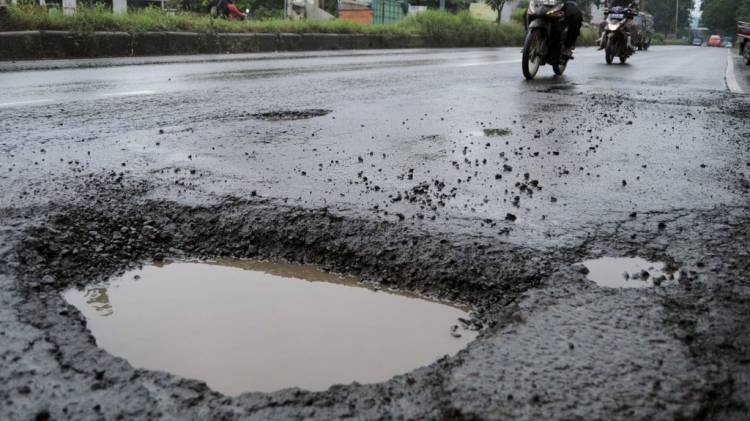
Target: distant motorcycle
pixel 616 39
pixel 545 32
pixel 222 10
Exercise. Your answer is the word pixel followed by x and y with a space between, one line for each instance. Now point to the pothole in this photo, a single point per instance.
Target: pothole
pixel 627 272
pixel 291 114
pixel 244 326
pixel 491 132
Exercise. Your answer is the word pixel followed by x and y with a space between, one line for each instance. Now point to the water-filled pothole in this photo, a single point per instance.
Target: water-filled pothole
pixel 291 114
pixel 627 272
pixel 258 326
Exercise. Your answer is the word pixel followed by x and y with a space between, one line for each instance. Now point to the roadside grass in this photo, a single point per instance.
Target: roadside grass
pixel 675 41
pixel 462 29
pixel 442 27
pixel 588 36
pixel 438 28
pixel 98 18
pixel 661 39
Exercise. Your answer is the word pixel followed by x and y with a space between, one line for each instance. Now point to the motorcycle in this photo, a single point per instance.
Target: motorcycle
pixel 616 39
pixel 545 32
pixel 219 10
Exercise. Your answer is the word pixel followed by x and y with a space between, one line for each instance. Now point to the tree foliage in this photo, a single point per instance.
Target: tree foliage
pixel 454 6
pixel 664 14
pixel 498 6
pixel 721 16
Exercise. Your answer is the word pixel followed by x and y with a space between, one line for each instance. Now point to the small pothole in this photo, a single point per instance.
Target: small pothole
pixel 256 326
pixel 627 272
pixel 291 114
pixel 491 132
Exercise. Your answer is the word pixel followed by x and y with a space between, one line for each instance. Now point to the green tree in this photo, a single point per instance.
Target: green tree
pixel 496 5
pixel 663 12
pixel 721 16
pixel 585 7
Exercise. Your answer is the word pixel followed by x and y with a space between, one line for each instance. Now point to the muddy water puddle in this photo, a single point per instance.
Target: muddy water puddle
pixel 245 326
pixel 627 272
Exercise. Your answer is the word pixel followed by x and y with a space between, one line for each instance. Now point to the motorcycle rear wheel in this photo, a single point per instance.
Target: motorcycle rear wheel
pixel 530 60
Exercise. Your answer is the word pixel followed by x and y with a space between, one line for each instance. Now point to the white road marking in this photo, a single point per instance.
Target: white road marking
pixel 32 101
pixel 132 93
pixel 730 78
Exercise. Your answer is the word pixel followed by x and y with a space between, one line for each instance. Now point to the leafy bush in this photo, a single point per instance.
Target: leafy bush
pixel 675 41
pixel 461 29
pixel 518 15
pixel 588 36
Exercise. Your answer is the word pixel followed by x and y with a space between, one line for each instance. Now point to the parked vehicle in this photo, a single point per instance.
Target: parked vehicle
pixel 714 41
pixel 545 32
pixel 645 23
pixel 616 39
pixel 697 42
pixel 743 39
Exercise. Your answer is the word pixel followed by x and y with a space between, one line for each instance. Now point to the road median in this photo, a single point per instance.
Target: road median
pixel 37 33
pixel 29 45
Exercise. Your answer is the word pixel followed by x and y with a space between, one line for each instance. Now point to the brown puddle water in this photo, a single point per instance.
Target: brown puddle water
pixel 627 272
pixel 244 326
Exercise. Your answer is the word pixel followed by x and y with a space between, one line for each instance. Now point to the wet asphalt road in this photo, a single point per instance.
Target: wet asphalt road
pixel 412 116
pixel 650 158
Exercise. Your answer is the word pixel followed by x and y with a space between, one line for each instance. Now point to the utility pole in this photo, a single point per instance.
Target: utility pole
pixel 676 14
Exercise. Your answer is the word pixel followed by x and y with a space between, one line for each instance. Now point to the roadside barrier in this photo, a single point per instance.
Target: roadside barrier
pixel 29 45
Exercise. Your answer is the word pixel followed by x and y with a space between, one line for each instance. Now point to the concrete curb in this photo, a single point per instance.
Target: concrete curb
pixel 29 45
pixel 22 44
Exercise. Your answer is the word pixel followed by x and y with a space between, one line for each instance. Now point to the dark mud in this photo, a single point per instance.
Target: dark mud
pixel 291 114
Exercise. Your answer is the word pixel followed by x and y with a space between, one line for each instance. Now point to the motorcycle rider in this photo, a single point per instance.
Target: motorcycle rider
pixel 228 9
pixel 631 27
pixel 574 20
pixel 234 12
